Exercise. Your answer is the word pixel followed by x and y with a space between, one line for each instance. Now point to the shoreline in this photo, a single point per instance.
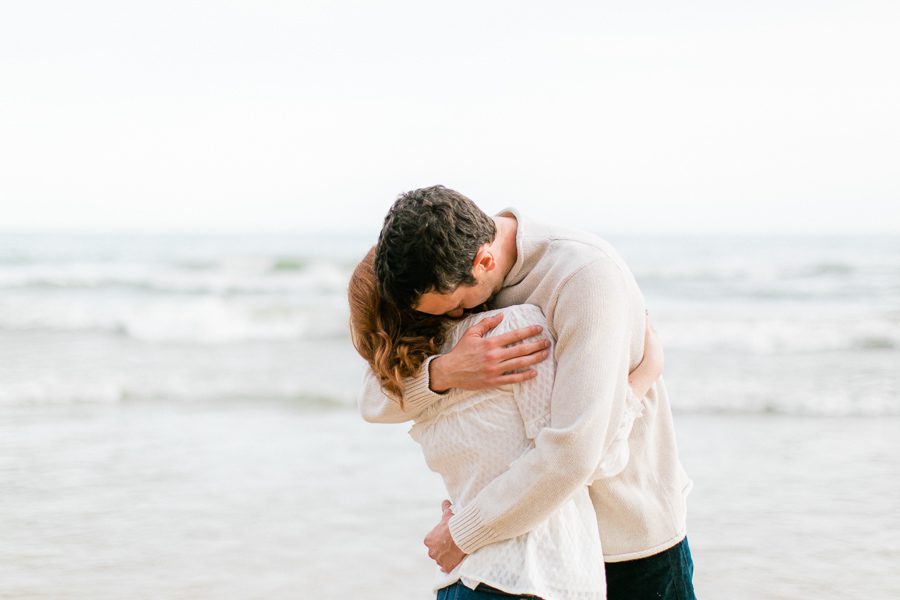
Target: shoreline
pixel 245 499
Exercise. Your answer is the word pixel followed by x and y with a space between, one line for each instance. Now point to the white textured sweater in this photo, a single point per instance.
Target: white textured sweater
pixel 595 310
pixel 471 437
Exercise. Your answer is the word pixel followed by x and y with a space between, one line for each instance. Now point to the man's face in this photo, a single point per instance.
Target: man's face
pixel 453 304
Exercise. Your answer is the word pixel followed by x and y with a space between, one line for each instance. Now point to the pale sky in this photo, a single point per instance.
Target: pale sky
pixel 313 115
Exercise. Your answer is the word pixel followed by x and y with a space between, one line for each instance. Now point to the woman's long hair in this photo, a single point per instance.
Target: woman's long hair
pixel 394 342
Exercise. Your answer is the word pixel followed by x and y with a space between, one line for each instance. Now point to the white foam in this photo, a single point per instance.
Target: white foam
pixel 235 275
pixel 202 319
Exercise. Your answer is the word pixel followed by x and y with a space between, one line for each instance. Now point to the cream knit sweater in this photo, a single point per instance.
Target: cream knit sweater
pixel 595 310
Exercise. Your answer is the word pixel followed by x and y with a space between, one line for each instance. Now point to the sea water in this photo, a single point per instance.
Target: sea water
pixel 177 418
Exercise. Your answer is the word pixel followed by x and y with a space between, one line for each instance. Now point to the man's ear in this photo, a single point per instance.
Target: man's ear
pixel 484 260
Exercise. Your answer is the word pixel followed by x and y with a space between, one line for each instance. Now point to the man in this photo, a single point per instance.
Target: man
pixel 439 254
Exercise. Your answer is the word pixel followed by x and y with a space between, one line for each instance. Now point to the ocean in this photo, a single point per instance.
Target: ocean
pixel 177 418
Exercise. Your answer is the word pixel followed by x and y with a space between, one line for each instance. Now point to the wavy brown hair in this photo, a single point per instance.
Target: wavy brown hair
pixel 394 342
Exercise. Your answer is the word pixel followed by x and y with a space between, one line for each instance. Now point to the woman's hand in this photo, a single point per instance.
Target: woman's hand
pixel 651 367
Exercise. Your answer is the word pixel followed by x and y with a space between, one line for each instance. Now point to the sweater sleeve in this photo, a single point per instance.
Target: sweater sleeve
pixel 376 406
pixel 592 352
pixel 532 396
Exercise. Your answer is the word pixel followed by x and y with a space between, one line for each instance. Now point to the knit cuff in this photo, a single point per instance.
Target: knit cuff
pixel 469 531
pixel 417 393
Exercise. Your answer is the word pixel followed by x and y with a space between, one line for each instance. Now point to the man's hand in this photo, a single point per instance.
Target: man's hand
pixel 478 362
pixel 441 547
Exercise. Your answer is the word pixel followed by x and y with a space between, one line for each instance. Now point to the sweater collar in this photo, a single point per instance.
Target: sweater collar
pixel 516 273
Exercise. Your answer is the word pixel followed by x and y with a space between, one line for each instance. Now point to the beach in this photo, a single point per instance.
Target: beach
pixel 177 419
pixel 269 500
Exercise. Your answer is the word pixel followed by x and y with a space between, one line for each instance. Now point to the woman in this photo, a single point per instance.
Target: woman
pixel 471 437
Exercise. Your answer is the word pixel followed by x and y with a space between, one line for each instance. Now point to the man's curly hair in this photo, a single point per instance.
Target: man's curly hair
pixel 428 243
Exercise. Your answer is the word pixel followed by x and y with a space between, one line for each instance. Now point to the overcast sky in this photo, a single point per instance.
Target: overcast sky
pixel 299 115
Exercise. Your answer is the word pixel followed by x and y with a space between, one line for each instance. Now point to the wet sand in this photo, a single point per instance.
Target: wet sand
pixel 271 500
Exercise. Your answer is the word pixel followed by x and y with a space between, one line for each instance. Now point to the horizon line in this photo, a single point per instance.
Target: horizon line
pixel 360 232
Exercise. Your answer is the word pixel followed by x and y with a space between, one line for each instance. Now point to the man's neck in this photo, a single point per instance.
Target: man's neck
pixel 505 252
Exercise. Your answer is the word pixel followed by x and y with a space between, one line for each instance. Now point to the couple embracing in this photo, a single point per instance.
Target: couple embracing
pixel 524 356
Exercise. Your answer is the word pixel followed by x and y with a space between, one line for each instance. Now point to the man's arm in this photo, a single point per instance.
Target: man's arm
pixel 476 362
pixel 592 323
pixel 376 406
